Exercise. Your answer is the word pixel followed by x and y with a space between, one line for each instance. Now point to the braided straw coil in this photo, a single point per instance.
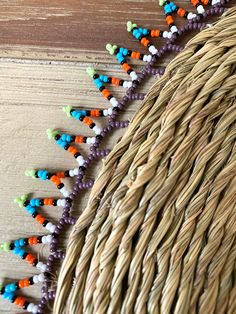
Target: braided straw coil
pixel 159 232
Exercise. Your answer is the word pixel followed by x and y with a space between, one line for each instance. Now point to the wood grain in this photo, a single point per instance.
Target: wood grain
pixel 44 51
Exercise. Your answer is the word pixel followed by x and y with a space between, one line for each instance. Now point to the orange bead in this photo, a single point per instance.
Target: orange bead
pixel 20 301
pixel 155 33
pixel 50 201
pixel 60 175
pixel 145 41
pixel 21 284
pixel 194 2
pixel 105 93
pixel 181 12
pixel 169 19
pixel 31 241
pixel 74 151
pixel 53 178
pixel 26 282
pixel 115 81
pixel 79 139
pixel 40 219
pixel 126 67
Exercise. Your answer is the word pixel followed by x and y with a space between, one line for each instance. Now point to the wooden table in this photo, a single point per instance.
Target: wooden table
pixel 44 51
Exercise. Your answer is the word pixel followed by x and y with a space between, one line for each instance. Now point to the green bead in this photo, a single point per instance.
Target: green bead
pixel 67 110
pixel 20 200
pixel 161 2
pixel 30 173
pixel 90 71
pixel 130 26
pixel 5 247
pixel 111 48
pixel 51 133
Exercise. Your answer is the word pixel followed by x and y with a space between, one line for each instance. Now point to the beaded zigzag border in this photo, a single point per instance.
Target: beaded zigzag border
pixel 66 141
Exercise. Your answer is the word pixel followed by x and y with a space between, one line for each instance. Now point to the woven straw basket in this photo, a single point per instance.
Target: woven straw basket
pixel 159 231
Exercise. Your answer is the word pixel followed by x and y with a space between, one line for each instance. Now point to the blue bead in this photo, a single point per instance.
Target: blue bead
pixel 73 113
pixel 21 253
pixel 21 242
pixel 105 79
pixel 63 137
pixel 32 202
pixel 10 288
pixel 37 202
pixel 125 52
pixel 31 210
pixel 8 296
pixel 16 243
pixel 145 31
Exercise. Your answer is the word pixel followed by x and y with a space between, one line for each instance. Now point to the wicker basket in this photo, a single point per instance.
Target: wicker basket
pixel 158 233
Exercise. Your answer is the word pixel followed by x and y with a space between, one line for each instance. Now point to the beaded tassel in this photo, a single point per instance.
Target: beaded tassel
pixel 54 178
pixel 100 85
pixel 120 54
pixel 83 116
pixel 7 292
pixel 33 212
pixel 17 248
pixel 140 34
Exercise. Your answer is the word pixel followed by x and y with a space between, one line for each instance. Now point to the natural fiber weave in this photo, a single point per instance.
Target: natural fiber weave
pixel 158 233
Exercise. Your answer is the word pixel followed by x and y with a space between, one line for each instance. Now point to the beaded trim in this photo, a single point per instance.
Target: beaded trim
pixel 66 141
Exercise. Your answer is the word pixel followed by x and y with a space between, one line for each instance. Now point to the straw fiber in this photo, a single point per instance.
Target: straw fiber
pixel 158 234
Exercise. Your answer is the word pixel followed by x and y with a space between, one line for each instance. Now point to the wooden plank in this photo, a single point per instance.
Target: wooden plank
pixel 71 29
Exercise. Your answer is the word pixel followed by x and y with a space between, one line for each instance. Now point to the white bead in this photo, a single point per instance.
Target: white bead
pixel 43 268
pixel 76 172
pixel 105 112
pixel 97 130
pixel 133 76
pixel 110 111
pixel 49 238
pixel 174 29
pixel 165 34
pixel 93 140
pixel 169 35
pixel 153 50
pixel 63 189
pixel 215 2
pixel 35 309
pixel 191 15
pixel 35 279
pixel 59 202
pixel 88 140
pixel 48 225
pixel 80 160
pixel 145 58
pixel 30 307
pixel 39 265
pixel 200 9
pixel 71 173
pixel 52 229
pixel 66 194
pixel 44 239
pixel 114 102
pixel 129 84
pixel 149 58
pixel 41 277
